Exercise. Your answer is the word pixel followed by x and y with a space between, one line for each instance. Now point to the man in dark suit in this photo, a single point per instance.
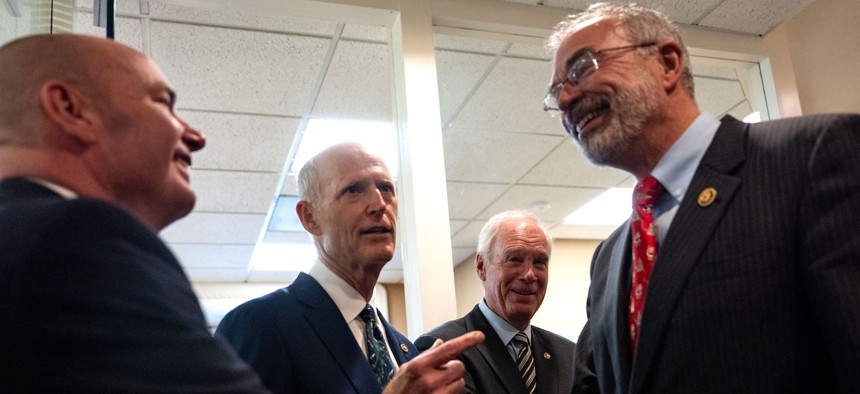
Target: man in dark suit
pixel 94 161
pixel 314 336
pixel 755 283
pixel 513 262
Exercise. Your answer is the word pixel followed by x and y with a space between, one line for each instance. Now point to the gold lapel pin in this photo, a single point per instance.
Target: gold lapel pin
pixel 547 356
pixel 707 197
pixel 404 348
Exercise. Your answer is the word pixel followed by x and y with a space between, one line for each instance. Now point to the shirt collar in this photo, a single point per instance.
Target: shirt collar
pixel 676 168
pixel 504 329
pixel 64 192
pixel 348 300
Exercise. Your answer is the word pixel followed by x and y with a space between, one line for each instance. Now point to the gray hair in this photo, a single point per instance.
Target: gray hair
pixel 487 236
pixel 638 24
pixel 308 183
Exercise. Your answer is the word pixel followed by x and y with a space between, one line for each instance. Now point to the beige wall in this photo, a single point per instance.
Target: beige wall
pixel 396 306
pixel 823 42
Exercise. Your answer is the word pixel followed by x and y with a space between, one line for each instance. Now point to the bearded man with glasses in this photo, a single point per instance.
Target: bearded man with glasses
pixel 753 250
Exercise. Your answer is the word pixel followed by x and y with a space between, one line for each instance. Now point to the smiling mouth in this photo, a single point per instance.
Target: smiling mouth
pixel 525 293
pixel 184 159
pixel 377 230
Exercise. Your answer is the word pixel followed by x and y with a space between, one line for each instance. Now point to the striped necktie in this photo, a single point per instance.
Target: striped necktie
pixel 526 362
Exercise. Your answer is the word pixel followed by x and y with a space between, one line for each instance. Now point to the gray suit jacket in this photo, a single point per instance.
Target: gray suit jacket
pixel 757 292
pixel 490 368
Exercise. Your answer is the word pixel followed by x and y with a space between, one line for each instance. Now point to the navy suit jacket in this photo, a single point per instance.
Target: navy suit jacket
pixel 298 342
pixel 758 291
pixel 490 369
pixel 92 301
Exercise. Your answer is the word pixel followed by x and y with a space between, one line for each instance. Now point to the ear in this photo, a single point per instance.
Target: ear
pixel 480 267
pixel 69 109
pixel 306 215
pixel 672 60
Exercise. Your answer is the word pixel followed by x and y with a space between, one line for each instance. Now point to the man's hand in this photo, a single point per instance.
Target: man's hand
pixel 437 370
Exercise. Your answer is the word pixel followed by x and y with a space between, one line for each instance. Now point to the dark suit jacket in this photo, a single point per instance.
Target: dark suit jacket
pixel 91 300
pixel 490 369
pixel 298 342
pixel 758 292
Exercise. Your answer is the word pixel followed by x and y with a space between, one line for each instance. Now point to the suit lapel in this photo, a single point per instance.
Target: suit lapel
pixel 612 319
pixel 495 353
pixel 688 236
pixel 402 349
pixel 545 366
pixel 327 321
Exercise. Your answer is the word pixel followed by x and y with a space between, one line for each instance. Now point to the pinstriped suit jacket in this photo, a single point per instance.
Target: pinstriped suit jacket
pixel 758 292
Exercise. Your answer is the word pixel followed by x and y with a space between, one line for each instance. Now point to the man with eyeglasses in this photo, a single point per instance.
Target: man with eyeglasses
pixel 739 270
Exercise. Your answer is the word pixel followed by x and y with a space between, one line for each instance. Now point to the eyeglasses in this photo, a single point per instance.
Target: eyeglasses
pixel 582 68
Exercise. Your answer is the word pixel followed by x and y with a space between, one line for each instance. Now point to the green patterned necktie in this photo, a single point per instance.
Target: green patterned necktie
pixel 377 352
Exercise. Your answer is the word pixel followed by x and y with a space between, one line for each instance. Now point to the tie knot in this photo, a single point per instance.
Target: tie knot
pixel 646 191
pixel 521 338
pixel 368 315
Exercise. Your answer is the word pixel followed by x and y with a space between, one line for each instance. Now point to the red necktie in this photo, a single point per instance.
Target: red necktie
pixel 644 250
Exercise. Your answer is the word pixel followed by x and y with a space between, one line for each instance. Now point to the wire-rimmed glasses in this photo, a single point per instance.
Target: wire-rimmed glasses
pixel 581 68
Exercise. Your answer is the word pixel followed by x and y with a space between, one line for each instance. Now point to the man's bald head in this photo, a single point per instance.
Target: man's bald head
pixel 29 62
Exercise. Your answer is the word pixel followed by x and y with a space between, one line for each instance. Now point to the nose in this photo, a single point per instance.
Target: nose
pixel 529 274
pixel 193 138
pixel 377 203
pixel 567 95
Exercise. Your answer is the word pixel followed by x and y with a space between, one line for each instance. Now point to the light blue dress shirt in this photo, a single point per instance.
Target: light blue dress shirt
pixel 676 168
pixel 504 329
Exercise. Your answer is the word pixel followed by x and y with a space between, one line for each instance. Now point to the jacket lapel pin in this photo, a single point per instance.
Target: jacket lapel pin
pixel 707 197
pixel 404 348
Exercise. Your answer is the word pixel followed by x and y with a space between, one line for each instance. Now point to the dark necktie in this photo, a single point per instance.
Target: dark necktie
pixel 526 362
pixel 644 236
pixel 377 352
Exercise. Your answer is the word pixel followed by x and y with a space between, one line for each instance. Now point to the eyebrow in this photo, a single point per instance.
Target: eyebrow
pixel 576 55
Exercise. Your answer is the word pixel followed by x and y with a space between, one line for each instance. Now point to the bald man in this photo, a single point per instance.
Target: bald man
pixel 93 163
pixel 320 335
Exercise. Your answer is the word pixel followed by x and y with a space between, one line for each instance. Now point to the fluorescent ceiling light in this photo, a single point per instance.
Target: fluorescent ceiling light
pixel 283 257
pixel 610 208
pixel 376 137
pixel 754 117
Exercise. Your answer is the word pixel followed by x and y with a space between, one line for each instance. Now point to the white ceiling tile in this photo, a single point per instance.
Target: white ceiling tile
pixel 120 6
pixel 366 33
pixel 216 274
pixel 467 237
pixel 457 75
pixel 238 70
pixel 755 17
pixel 283 278
pixel 390 276
pixel 467 199
pixel 680 11
pixel 468 44
pixel 127 31
pixel 567 166
pixel 741 110
pixel 492 157
pixel 463 255
pixel 567 231
pixel 212 256
pixel 562 201
pixel 225 17
pixel 511 100
pixel 234 192
pixel 241 142
pixel 718 96
pixel 358 83
pixel 216 228
pixel 456 225
pixel 530 50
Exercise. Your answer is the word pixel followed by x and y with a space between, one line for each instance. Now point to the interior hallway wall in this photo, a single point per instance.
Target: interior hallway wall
pixel 823 42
